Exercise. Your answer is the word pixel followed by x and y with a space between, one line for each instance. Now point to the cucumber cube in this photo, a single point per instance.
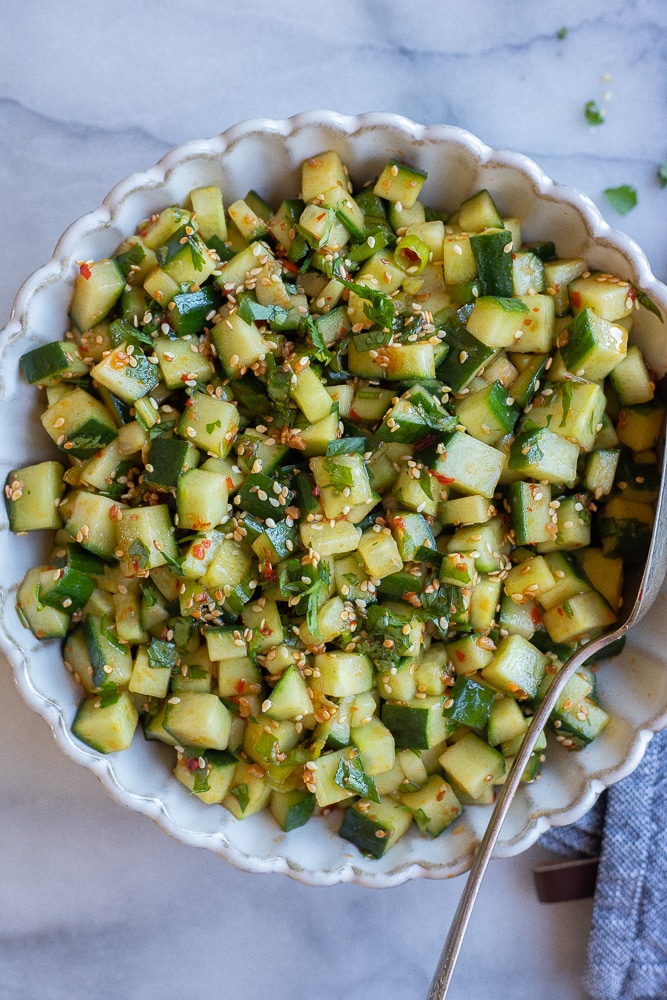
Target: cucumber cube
pixel 376 745
pixel 468 465
pixel 109 727
pixel 96 290
pixel 43 621
pixel 374 827
pixel 605 294
pixel 342 674
pixel 248 792
pixel 210 423
pixel 289 699
pixel 207 775
pixel 472 765
pixel 198 720
pixel 418 724
pixel 434 806
pixel 291 809
pixel 517 667
pixel 53 363
pixel 32 496
pixel 469 703
pixel 578 617
pixel 592 346
pixel 400 183
pixel 497 321
pixel 544 455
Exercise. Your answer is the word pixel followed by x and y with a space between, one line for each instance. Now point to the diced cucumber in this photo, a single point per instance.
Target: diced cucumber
pixel 96 290
pixel 32 496
pixel 106 726
pixel 434 807
pixel 472 765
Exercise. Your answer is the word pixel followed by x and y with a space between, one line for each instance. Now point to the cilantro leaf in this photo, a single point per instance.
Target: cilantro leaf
pixel 109 694
pixel 371 340
pixel 647 302
pixel 623 198
pixel 139 553
pixel 380 308
pixel 320 349
pixel 201 780
pixel 134 255
pixel 161 655
pixel 252 311
pixel 278 389
pixel 347 446
pixel 662 174
pixel 593 113
pixel 340 476
pixel 351 776
pixel 313 607
pixel 561 33
pixel 240 793
pixel 173 564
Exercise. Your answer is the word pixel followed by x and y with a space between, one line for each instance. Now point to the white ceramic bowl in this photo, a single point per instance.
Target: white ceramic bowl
pixel 265 155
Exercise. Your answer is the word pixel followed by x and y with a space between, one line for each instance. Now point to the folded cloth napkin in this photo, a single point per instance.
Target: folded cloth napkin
pixel 627 828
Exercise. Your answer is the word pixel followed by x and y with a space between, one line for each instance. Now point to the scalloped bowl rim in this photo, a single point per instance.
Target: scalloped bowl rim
pixel 351 869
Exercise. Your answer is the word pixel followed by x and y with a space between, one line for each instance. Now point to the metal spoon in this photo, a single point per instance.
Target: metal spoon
pixel 641 590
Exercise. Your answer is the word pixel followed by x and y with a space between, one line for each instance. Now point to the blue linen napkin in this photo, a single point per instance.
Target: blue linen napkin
pixel 627 828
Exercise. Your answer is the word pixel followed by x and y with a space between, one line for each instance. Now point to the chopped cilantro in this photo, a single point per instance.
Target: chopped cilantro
pixel 347 446
pixel 321 351
pixel 161 655
pixel 109 694
pixel 340 476
pixel 561 33
pixel 623 198
pixel 647 302
pixel 662 174
pixel 240 793
pixel 593 113
pixel 139 553
pixel 379 307
pixel 351 776
pixel 201 780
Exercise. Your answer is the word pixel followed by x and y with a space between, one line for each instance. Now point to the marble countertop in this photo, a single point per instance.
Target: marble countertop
pixel 98 903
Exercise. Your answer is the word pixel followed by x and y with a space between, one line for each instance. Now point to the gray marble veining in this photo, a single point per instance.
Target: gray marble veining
pixel 98 903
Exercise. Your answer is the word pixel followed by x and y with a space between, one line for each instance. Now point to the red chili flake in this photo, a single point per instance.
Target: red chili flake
pixel 85 271
pixel 266 630
pixel 240 686
pixel 192 764
pixel 230 483
pixel 268 573
pixel 575 300
pixel 535 616
pixel 445 480
pixel 289 265
pixel 425 442
pixel 198 551
pixel 316 491
pixel 461 657
pixel 353 414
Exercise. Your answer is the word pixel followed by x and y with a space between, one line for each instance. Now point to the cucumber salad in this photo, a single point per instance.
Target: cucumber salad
pixel 343 482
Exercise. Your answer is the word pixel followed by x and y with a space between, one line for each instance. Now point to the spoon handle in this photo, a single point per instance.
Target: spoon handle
pixel 445 969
